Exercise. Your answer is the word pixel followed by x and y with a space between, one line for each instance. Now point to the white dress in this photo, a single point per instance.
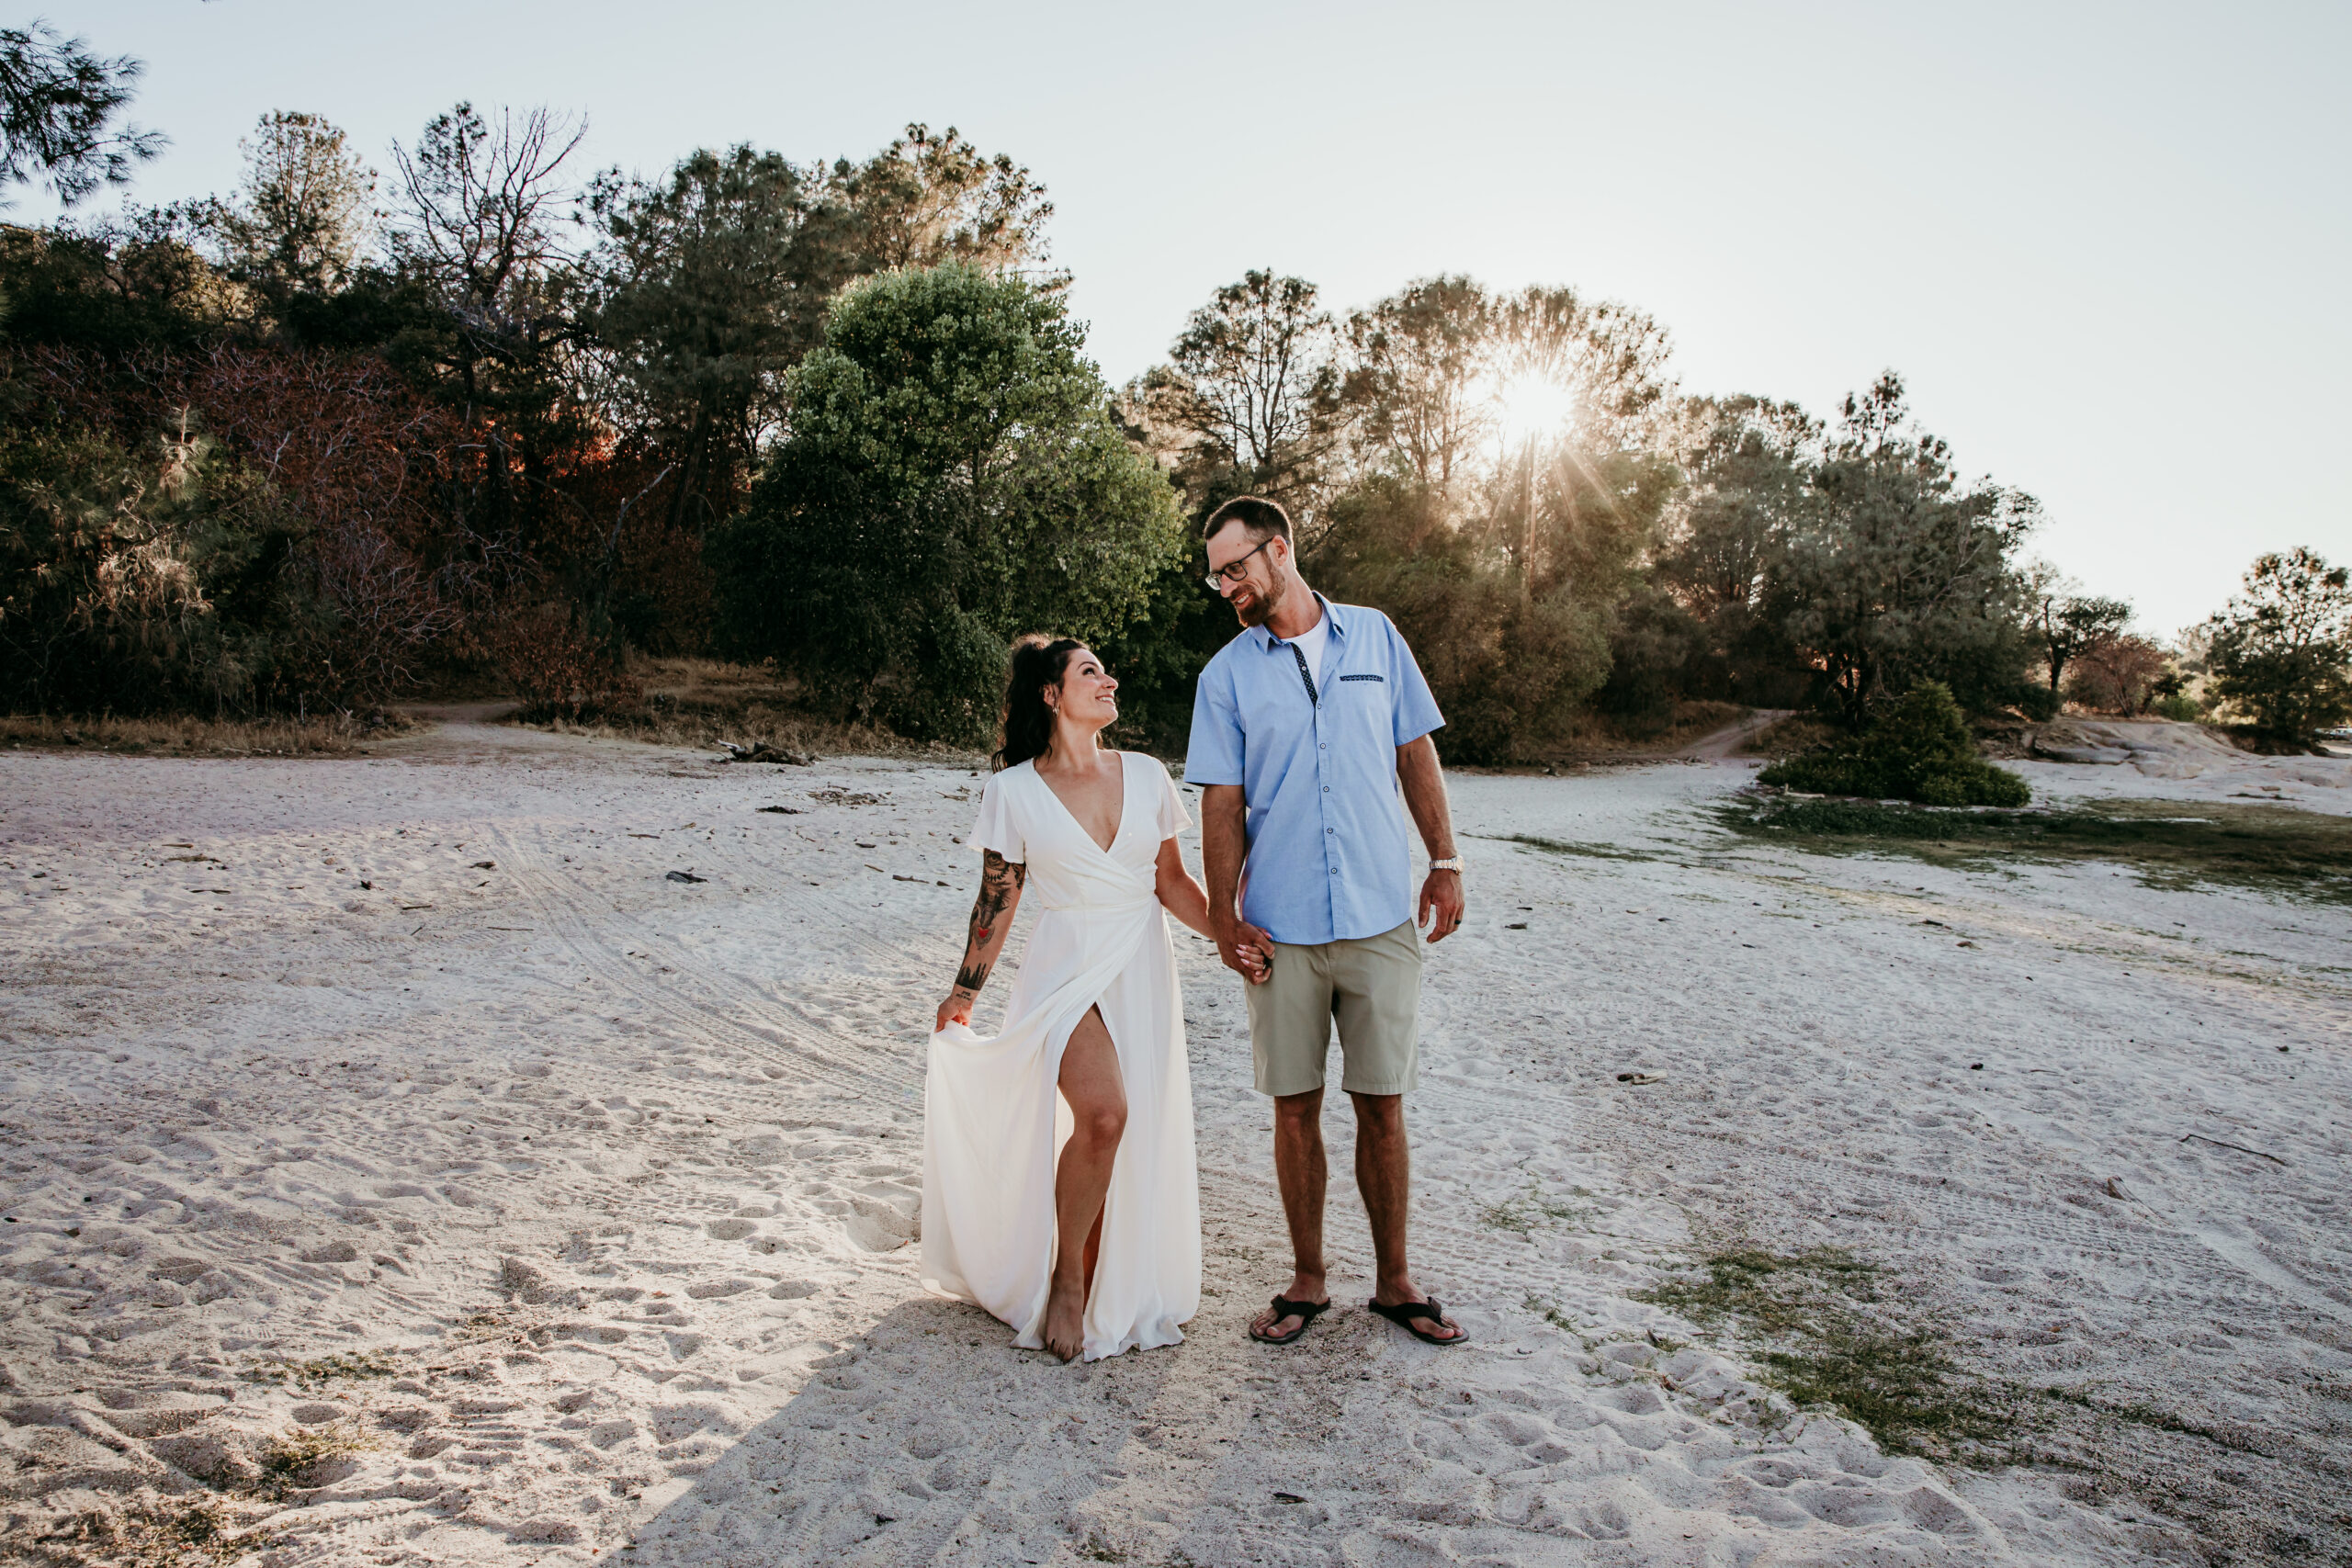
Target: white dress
pixel 994 1120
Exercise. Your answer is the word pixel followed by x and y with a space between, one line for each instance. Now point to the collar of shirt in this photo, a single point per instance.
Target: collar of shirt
pixel 1267 642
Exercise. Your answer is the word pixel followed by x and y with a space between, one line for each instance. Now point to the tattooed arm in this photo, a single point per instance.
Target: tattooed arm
pixel 1001 883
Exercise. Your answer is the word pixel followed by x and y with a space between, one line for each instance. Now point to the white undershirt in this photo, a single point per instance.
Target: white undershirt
pixel 1315 644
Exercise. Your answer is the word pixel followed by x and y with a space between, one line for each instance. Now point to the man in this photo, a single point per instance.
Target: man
pixel 1303 728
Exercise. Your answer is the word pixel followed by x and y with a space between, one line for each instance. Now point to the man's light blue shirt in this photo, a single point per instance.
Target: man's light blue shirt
pixel 1327 855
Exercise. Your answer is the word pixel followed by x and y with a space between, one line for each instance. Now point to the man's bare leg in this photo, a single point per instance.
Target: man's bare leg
pixel 1302 1173
pixel 1098 1105
pixel 1385 1177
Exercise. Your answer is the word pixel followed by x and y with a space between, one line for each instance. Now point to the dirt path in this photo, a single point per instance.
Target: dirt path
pixel 1726 742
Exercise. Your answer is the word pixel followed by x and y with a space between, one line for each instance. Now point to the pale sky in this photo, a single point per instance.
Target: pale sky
pixel 2108 247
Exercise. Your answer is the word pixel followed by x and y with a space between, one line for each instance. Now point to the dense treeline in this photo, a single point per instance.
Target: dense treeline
pixel 272 451
pixel 333 436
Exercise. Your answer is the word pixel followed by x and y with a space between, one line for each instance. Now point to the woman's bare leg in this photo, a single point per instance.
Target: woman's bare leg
pixel 1098 1104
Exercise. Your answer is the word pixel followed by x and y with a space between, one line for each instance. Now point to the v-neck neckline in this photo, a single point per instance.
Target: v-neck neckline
pixel 1048 786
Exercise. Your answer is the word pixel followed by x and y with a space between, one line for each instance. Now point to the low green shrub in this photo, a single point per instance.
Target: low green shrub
pixel 1918 749
pixel 2180 708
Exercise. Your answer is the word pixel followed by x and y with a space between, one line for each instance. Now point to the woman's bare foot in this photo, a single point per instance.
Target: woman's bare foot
pixel 1065 1330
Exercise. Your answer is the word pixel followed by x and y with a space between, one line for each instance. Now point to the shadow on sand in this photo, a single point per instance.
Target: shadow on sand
pixel 928 1439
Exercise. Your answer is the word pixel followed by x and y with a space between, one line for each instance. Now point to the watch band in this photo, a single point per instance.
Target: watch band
pixel 1453 864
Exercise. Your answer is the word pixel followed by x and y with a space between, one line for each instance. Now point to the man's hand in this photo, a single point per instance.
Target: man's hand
pixel 1246 950
pixel 957 1009
pixel 1441 904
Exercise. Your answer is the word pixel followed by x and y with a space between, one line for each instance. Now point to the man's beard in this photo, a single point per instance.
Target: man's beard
pixel 1260 605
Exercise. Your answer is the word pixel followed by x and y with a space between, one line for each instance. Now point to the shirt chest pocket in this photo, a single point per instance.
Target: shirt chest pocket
pixel 1360 703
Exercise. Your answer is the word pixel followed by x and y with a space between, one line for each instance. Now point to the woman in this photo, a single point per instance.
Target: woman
pixel 1099 1252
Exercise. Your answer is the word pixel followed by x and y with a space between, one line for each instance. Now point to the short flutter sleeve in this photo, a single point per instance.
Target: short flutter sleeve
pixel 998 827
pixel 1173 817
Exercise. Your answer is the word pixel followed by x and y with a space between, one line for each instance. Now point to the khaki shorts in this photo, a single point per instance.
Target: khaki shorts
pixel 1372 986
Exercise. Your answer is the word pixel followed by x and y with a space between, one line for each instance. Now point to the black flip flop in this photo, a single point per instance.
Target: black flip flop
pixel 1404 1313
pixel 1305 1311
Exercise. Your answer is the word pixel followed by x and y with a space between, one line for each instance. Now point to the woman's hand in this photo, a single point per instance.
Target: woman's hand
pixel 957 1009
pixel 1246 950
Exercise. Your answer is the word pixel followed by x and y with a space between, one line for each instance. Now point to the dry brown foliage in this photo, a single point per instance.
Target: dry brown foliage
pixel 2116 674
pixel 555 670
pixel 358 456
pixel 704 703
pixel 333 735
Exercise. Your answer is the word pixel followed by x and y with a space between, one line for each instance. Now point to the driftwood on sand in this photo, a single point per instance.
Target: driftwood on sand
pixel 761 751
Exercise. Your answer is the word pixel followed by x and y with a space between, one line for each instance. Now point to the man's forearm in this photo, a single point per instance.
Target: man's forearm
pixel 1224 844
pixel 1424 781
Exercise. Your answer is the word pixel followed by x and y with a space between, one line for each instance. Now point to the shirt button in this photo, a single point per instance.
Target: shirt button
pixel 1326 789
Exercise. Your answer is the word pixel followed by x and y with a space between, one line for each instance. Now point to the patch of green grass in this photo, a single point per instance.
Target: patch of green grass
pixel 2152 1416
pixel 287 1460
pixel 2170 844
pixel 1776 1292
pixel 1829 1336
pixel 316 1374
pixel 1569 846
pixel 1522 1215
pixel 1553 1316
pixel 1901 1388
pixel 169 1533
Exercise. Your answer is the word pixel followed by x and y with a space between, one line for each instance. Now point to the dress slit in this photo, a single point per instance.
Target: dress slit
pixel 1110 1188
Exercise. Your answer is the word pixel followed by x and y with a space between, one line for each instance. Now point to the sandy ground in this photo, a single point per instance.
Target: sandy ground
pixel 400 1164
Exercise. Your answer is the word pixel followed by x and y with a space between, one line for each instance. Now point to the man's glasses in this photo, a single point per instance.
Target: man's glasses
pixel 1232 570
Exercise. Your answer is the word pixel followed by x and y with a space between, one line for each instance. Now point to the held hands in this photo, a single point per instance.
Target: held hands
pixel 1247 951
pixel 1441 904
pixel 957 1009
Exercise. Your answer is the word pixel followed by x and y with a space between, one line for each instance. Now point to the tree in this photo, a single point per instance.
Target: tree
pixel 2117 674
pixel 1918 747
pixel 478 224
pixel 1422 361
pixel 1252 387
pixel 299 491
pixel 708 295
pixel 952 478
pixel 302 217
pixel 926 200
pixel 1894 570
pixel 119 284
pixel 2065 623
pixel 1747 463
pixel 56 98
pixel 2281 650
pixel 1516 563
pixel 1609 360
pixel 478 237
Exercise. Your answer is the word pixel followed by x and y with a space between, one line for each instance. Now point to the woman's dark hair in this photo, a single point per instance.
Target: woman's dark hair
pixel 1038 662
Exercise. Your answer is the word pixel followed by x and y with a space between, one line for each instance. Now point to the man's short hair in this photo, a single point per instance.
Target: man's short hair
pixel 1263 518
